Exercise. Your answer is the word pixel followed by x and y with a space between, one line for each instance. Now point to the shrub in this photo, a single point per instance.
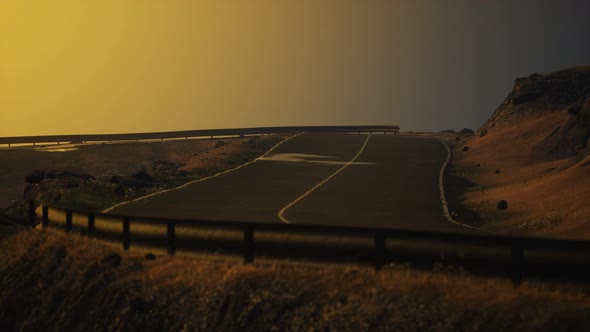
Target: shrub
pixel 575 109
pixel 35 176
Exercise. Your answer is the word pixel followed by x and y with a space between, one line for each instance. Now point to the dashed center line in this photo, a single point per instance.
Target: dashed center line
pixel 288 206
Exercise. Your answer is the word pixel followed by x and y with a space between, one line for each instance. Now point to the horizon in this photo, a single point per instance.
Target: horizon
pixel 158 67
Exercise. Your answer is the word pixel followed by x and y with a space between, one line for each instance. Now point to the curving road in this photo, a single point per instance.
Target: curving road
pixel 316 178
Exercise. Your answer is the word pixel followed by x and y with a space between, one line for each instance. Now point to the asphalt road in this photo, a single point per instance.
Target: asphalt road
pixel 392 183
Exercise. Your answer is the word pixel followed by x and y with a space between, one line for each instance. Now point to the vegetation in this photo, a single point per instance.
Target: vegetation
pixel 53 281
pixel 87 192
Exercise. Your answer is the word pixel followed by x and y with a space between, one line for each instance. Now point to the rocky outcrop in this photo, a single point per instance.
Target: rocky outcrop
pixel 558 102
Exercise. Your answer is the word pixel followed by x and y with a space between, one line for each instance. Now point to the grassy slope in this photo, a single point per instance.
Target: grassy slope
pixel 54 281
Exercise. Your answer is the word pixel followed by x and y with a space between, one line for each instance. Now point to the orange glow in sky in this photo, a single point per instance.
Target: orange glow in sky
pixel 153 65
pixel 128 66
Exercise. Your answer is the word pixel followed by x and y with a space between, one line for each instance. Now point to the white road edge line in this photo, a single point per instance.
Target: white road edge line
pixel 202 179
pixel 283 210
pixel 441 188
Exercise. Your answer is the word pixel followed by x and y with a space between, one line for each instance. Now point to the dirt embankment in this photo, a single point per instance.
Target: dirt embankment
pixel 54 281
pixel 534 154
pixel 96 176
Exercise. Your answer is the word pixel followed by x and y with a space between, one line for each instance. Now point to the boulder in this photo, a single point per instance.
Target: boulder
pixel 502 205
pixel 219 144
pixel 35 176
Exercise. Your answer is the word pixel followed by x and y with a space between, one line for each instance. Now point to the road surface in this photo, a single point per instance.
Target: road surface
pixel 316 178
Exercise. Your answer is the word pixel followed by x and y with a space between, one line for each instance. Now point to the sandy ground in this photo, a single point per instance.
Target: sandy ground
pixel 105 160
pixel 546 196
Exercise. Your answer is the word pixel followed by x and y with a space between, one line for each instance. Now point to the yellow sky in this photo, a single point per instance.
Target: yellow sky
pixel 112 66
pixel 127 66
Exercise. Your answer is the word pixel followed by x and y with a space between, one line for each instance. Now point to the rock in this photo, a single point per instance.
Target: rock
pixel 119 191
pixel 575 109
pixel 465 148
pixel 144 176
pixel 502 205
pixel 497 171
pixel 115 179
pixel 483 133
pixel 466 131
pixel 220 144
pixel 150 257
pixel 35 176
pixel 112 259
pixel 535 76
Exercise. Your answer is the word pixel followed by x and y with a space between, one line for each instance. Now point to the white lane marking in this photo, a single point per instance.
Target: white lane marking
pixel 307 158
pixel 199 180
pixel 283 210
pixel 441 188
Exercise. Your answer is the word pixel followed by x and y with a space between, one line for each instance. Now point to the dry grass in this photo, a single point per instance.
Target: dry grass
pixel 53 281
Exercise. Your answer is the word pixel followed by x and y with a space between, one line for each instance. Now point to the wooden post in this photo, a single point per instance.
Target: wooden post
pixel 379 251
pixel 91 226
pixel 68 221
pixel 171 238
pixel 249 244
pixel 45 221
pixel 126 233
pixel 32 213
pixel 517 264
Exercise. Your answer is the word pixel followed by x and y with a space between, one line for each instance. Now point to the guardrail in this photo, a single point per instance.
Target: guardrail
pixel 572 260
pixel 191 133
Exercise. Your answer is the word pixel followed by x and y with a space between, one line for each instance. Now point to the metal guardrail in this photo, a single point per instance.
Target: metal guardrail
pixel 516 244
pixel 191 133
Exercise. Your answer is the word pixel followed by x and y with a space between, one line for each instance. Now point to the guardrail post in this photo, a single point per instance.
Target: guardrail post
pixel 91 226
pixel 45 220
pixel 379 250
pixel 249 244
pixel 32 213
pixel 68 221
pixel 171 238
pixel 517 264
pixel 126 233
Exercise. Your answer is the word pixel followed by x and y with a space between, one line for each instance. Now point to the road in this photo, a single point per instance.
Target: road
pixel 320 178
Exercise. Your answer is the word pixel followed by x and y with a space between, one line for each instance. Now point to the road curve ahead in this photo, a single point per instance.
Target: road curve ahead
pixel 316 178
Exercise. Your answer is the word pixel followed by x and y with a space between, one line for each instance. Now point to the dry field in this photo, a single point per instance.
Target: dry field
pixel 54 281
pixel 200 157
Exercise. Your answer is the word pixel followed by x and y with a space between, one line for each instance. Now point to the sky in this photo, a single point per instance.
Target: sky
pixel 118 66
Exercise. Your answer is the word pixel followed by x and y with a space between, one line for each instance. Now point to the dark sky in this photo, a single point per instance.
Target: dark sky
pixel 128 66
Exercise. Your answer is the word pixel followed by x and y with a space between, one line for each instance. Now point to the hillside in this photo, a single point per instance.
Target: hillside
pixel 534 153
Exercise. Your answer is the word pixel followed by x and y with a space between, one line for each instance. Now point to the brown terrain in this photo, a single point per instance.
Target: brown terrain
pixel 534 153
pixel 58 282
pixel 95 176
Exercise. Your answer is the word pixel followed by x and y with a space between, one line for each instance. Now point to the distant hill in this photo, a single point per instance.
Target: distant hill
pixel 548 116
pixel 534 152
